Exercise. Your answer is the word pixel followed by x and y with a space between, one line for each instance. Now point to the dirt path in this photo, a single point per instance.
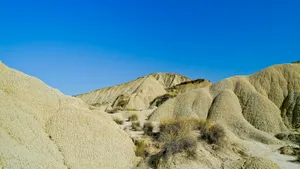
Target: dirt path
pixel 270 152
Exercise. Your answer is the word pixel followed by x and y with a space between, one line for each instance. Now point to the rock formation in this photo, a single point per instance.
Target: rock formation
pixel 254 107
pixel 138 93
pixel 42 128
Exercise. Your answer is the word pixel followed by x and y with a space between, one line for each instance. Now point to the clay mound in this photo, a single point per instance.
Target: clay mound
pixel 42 128
pixel 252 163
pixel 255 162
pixel 178 89
pixel 251 107
pixel 139 93
pixel 170 79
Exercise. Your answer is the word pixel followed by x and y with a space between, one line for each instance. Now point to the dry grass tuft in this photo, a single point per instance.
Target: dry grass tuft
pixel 140 150
pixel 181 136
pixel 171 129
pixel 119 121
pixel 209 131
pixel 136 126
pixel 213 134
pixel 131 109
pixel 148 128
pixel 114 110
pixel 133 117
pixel 177 137
pixel 187 144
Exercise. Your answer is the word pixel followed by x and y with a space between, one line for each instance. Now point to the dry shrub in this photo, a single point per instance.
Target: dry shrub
pixel 136 126
pixel 140 150
pixel 178 137
pixel 289 150
pixel 281 136
pixel 114 110
pixel 209 131
pixel 148 128
pixel 213 134
pixel 173 128
pixel 154 160
pixel 133 117
pixel 119 121
pixel 293 137
pixel 187 144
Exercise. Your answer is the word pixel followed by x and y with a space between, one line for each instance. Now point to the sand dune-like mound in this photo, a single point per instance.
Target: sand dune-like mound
pixel 136 94
pixel 42 128
pixel 253 107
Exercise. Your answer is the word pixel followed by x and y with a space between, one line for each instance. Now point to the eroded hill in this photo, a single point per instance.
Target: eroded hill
pixel 253 107
pixel 166 121
pixel 42 128
pixel 137 94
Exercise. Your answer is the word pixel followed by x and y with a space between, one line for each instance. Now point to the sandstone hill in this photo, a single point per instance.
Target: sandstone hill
pixel 40 128
pixel 137 94
pixel 254 107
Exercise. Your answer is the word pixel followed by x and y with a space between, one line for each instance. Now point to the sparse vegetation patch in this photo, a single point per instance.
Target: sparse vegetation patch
pixel 133 117
pixel 136 126
pixel 187 144
pixel 148 128
pixel 183 136
pixel 119 121
pixel 140 150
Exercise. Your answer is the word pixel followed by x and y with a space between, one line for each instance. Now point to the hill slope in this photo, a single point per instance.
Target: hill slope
pixel 42 128
pixel 136 94
pixel 250 106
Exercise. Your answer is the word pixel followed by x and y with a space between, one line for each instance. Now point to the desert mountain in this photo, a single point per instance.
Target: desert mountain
pixel 137 94
pixel 42 128
pixel 254 107
pixel 251 109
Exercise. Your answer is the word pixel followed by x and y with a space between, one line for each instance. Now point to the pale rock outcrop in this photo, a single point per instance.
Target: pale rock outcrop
pixel 254 107
pixel 43 129
pixel 139 92
pixel 170 79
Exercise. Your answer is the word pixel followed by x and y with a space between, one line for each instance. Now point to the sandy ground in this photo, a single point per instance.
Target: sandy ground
pixel 271 152
pixel 255 148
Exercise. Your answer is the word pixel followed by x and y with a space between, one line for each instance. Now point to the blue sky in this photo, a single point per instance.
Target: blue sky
pixel 78 46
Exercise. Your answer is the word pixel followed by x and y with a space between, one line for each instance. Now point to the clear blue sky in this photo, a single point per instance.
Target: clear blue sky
pixel 81 45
